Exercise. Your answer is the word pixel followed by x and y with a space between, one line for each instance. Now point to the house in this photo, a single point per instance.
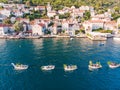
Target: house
pixel 23 20
pixel 93 24
pixel 5 12
pixel 101 17
pixel 84 8
pixel 57 28
pixel 70 26
pixel 20 6
pixel 96 24
pixel 77 13
pixel 111 25
pixel 5 29
pixel 44 21
pixel 51 13
pixel 2 17
pixel 40 8
pixel 62 12
pixel 38 29
pixel 49 7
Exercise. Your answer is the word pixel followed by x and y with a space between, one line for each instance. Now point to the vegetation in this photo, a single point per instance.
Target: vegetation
pixel 18 26
pixel 103 31
pixel 87 15
pixel 6 21
pixel 79 31
pixel 66 15
pixel 58 4
pixel 100 5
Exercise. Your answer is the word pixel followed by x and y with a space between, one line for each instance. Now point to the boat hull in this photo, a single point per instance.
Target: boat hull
pixel 50 67
pixel 94 67
pixel 112 66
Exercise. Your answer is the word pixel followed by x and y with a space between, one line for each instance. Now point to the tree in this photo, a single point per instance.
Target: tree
pixel 87 15
pixel 6 21
pixel 28 3
pixel 18 26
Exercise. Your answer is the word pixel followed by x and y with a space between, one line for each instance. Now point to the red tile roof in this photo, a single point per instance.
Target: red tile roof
pixel 41 24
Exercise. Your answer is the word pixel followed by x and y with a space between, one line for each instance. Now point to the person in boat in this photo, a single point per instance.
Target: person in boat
pixel 113 64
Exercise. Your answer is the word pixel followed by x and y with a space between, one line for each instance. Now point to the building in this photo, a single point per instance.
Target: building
pixel 38 29
pixel 5 29
pixel 5 12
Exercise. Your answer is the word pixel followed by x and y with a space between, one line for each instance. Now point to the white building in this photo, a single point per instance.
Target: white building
pixel 5 29
pixel 101 17
pixel 49 8
pixel 57 28
pixel 84 8
pixel 38 29
pixel 93 24
pixel 51 13
pixel 5 12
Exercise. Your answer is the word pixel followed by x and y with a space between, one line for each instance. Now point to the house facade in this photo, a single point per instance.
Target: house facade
pixel 5 29
pixel 38 29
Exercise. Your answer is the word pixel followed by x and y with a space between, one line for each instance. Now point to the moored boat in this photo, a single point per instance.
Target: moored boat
pixel 101 44
pixel 19 66
pixel 48 67
pixel 71 38
pixel 113 65
pixel 69 67
pixel 94 66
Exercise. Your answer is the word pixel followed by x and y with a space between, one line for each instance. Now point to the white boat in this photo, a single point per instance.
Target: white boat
pixel 113 65
pixel 19 66
pixel 69 67
pixel 48 67
pixel 101 44
pixel 71 38
pixel 94 66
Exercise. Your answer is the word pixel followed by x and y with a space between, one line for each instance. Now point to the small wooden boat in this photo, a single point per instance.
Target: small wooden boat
pixel 94 66
pixel 19 66
pixel 48 67
pixel 69 67
pixel 113 65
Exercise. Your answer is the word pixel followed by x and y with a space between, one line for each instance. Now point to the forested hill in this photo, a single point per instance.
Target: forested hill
pixel 58 4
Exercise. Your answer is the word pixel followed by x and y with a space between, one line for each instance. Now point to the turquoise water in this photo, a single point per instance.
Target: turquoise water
pixel 58 51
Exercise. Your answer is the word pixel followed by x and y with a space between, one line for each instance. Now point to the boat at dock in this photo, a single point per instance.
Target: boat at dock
pixel 48 67
pixel 69 67
pixel 101 44
pixel 19 66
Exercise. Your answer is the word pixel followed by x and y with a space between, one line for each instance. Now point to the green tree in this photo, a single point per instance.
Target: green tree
pixel 18 26
pixel 28 3
pixel 87 15
pixel 6 21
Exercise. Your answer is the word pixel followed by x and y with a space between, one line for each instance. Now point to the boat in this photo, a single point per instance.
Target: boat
pixel 19 66
pixel 113 65
pixel 94 66
pixel 71 38
pixel 69 67
pixel 48 67
pixel 101 44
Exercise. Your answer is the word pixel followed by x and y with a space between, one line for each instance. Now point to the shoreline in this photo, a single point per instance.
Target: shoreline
pixel 52 36
pixel 45 36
